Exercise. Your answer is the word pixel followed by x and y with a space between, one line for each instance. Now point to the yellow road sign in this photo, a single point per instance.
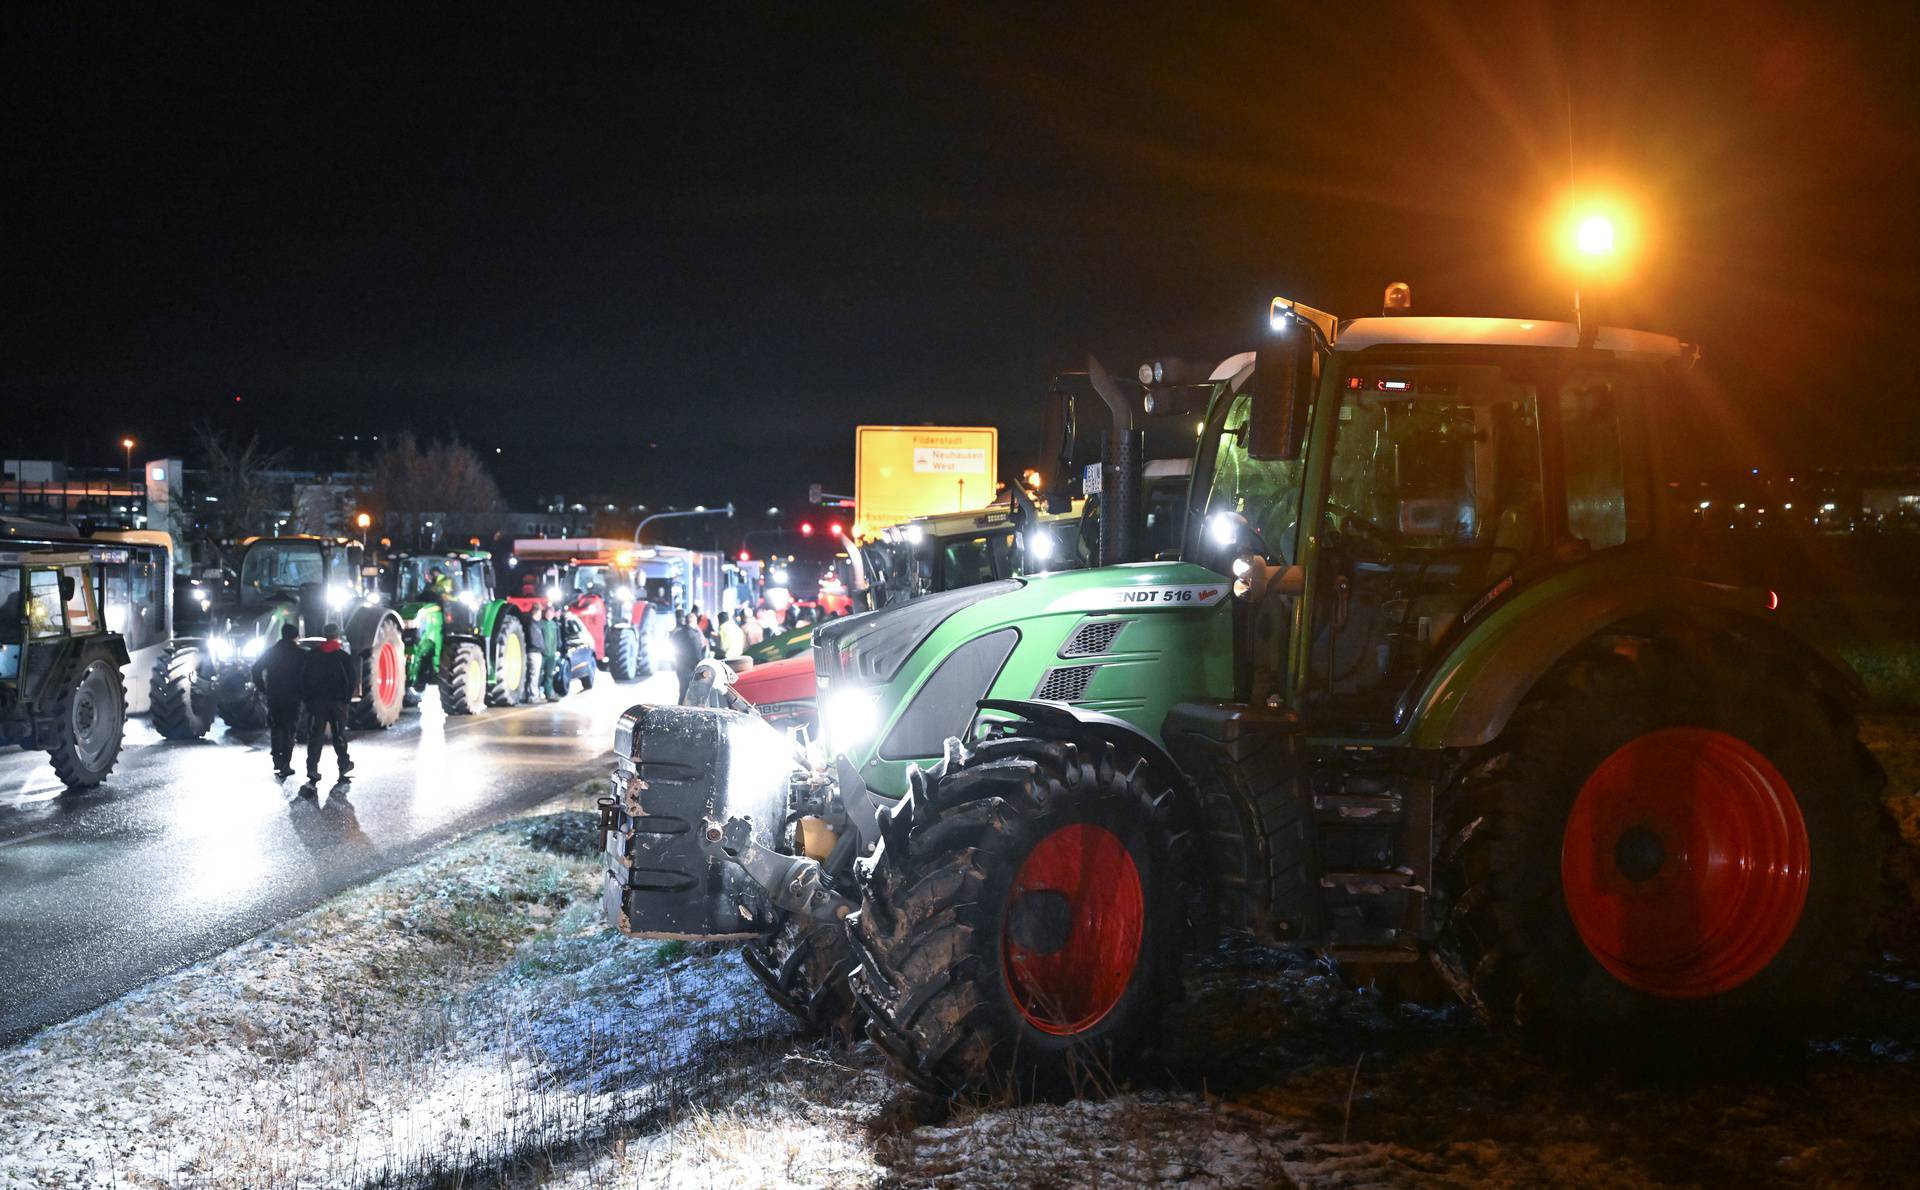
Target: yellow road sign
pixel 902 472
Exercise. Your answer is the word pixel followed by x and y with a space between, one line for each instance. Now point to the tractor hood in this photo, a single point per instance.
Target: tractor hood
pixel 1122 640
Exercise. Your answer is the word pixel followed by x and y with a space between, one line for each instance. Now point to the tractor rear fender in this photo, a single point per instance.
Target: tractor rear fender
pixel 1061 720
pixel 363 623
pixel 112 647
pixel 1470 697
pixel 490 614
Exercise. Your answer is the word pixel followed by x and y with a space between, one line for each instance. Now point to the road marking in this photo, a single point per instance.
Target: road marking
pixel 30 838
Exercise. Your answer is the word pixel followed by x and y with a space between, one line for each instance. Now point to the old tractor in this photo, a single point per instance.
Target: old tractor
pixel 308 582
pixel 61 689
pixel 1434 680
pixel 459 635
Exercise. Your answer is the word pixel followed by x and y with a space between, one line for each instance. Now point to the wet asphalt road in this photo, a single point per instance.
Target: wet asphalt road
pixel 192 847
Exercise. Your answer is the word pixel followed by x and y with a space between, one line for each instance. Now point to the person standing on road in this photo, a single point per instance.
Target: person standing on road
pixel 329 682
pixel 750 628
pixel 689 646
pixel 278 672
pixel 733 638
pixel 540 650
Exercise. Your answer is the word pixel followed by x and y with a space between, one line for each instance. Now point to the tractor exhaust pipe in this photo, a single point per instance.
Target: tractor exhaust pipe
pixel 1119 523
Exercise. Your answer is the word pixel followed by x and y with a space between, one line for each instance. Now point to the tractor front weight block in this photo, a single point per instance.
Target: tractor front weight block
pixel 697 791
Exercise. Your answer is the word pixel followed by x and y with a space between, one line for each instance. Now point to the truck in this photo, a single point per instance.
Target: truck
pixel 61 685
pixel 308 582
pixel 1434 679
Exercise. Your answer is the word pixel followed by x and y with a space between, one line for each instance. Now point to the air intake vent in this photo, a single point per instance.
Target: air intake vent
pixel 1068 683
pixel 1092 637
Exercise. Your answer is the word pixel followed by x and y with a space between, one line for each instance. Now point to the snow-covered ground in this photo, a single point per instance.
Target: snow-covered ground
pixel 468 1021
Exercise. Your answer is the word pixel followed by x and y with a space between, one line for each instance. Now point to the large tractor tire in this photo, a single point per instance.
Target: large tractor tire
pixel 180 693
pixel 623 653
pixel 383 679
pixel 1020 922
pixel 90 716
pixel 805 965
pixel 507 683
pixel 1671 852
pixel 463 678
pixel 245 714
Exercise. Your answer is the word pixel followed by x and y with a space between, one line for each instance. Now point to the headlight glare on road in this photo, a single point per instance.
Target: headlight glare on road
pixel 849 718
pixel 254 647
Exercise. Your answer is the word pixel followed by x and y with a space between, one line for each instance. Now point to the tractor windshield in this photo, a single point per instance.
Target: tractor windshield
pixel 1265 492
pixel 278 569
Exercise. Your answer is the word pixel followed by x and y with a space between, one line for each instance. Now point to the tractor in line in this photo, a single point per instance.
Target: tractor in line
pixel 1433 679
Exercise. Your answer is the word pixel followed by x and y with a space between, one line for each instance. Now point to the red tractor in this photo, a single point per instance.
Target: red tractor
pixel 594 580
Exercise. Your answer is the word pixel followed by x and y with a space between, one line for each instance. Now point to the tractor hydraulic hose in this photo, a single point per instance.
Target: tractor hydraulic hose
pixel 1119 522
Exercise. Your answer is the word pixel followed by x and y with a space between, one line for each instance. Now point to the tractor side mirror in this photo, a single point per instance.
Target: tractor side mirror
pixel 1282 388
pixel 67 588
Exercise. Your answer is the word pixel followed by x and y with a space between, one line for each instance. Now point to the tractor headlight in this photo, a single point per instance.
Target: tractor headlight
pixel 221 648
pixel 1224 528
pixel 1042 546
pixel 373 597
pixel 338 596
pixel 849 719
pixel 553 594
pixel 255 646
pixel 624 594
pixel 471 600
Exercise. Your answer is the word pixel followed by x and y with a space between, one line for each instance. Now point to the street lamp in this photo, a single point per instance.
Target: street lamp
pixel 126 444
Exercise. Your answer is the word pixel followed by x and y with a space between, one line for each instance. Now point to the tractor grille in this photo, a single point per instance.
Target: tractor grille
pixel 1092 637
pixel 1066 683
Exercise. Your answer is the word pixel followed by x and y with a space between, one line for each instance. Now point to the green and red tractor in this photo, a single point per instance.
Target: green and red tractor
pixel 308 582
pixel 1433 680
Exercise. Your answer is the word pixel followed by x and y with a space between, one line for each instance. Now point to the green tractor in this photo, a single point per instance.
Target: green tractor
pixel 1433 681
pixel 61 689
pixel 458 635
pixel 307 582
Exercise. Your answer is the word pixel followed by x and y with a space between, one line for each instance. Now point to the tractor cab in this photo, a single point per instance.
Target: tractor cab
pixel 1447 466
pixel 316 578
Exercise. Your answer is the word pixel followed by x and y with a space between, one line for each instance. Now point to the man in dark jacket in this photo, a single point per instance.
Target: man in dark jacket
pixel 278 674
pixel 689 647
pixel 329 681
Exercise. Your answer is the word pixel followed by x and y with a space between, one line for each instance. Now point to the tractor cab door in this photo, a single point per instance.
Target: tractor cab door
pixel 1450 486
pixel 1245 508
pixel 38 623
pixel 13 622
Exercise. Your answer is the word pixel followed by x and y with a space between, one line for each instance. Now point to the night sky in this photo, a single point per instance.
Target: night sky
pixel 679 254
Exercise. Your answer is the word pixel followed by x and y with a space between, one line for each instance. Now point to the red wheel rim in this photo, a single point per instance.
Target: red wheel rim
pixel 1685 863
pixel 1068 973
pixel 387 673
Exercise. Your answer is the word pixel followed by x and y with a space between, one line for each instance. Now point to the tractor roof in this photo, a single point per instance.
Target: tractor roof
pixel 1422 330
pixel 297 537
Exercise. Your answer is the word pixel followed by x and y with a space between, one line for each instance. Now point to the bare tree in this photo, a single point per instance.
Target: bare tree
pixel 240 499
pixel 424 496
